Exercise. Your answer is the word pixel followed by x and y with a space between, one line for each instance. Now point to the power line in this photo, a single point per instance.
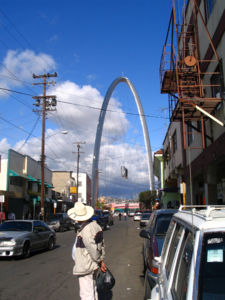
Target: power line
pixel 114 111
pixel 17 92
pixel 29 135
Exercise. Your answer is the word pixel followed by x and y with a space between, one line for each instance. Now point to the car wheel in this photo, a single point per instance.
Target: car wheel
pixel 26 250
pixel 61 228
pixel 51 243
pixel 147 288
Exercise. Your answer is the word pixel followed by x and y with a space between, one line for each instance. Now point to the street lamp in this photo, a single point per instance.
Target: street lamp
pixel 61 132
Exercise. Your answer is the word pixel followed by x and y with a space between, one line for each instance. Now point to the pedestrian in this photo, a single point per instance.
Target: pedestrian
pixel 88 250
pixel 11 215
pixel 120 215
pixel 125 216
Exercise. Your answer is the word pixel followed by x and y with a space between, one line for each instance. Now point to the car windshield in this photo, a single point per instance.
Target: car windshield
pixel 162 224
pixel 146 216
pixel 16 226
pixel 212 275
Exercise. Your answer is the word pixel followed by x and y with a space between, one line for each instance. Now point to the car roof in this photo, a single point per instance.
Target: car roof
pixel 165 211
pixel 25 221
pixel 202 217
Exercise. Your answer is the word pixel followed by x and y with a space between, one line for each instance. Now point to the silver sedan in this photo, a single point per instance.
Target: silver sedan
pixel 21 237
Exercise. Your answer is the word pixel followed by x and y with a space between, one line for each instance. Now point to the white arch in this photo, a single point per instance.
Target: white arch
pixel 99 135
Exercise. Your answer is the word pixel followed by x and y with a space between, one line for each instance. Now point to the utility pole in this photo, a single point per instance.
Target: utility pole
pixel 78 161
pixel 97 186
pixel 47 103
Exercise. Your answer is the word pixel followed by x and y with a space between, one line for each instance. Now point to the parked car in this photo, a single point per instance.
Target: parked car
pixel 99 217
pixel 108 215
pixel 131 213
pixel 192 263
pixel 154 236
pixel 60 222
pixel 137 216
pixel 21 237
pixel 145 218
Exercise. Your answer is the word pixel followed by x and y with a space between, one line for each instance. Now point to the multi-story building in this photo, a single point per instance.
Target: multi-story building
pixel 20 183
pixel 84 187
pixel 63 189
pixel 193 75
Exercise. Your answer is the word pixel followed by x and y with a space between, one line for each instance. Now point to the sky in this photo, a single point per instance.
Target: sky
pixel 89 44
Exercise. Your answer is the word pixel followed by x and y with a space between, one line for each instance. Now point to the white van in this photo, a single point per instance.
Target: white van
pixel 192 263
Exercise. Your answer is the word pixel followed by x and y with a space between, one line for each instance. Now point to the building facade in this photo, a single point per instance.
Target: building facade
pixel 84 188
pixel 63 191
pixel 20 183
pixel 194 146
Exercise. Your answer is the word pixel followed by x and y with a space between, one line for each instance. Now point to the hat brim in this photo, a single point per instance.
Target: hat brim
pixel 71 213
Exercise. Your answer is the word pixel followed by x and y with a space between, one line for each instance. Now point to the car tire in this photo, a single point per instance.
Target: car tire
pixel 26 250
pixel 51 243
pixel 147 288
pixel 61 228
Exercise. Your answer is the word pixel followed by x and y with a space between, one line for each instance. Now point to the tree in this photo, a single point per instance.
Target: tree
pixel 147 198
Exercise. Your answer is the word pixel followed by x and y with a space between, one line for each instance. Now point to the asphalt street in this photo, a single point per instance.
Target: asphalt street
pixel 47 275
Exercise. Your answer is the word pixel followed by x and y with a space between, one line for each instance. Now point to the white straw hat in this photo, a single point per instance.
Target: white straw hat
pixel 80 212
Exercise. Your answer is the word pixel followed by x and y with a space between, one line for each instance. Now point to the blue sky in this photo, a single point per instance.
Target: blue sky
pixel 88 43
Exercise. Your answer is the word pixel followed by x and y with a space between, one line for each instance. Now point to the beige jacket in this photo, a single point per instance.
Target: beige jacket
pixel 89 249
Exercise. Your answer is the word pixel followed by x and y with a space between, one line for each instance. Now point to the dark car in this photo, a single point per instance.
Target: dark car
pixel 101 219
pixel 98 217
pixel 145 218
pixel 109 216
pixel 21 237
pixel 60 222
pixel 154 236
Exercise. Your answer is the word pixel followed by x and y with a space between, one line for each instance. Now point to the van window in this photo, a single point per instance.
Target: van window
pixel 212 274
pixel 173 248
pixel 182 271
pixel 162 224
pixel 167 238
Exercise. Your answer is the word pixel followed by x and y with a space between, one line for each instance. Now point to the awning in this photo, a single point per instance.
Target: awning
pixel 30 178
pixel 15 174
pixel 48 185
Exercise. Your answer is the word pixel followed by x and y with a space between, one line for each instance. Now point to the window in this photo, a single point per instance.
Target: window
pixel 15 180
pixel 212 275
pixel 38 226
pixel 173 248
pixel 190 133
pixel 174 142
pixel 167 238
pixel 182 271
pixel 162 224
pixel 209 4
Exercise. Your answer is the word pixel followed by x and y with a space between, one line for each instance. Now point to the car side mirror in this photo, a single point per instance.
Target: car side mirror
pixel 144 234
pixel 36 230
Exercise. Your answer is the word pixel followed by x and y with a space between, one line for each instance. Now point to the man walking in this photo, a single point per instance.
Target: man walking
pixel 88 250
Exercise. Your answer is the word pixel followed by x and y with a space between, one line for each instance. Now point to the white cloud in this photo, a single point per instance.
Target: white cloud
pixel 78 110
pixel 4 146
pixel 20 65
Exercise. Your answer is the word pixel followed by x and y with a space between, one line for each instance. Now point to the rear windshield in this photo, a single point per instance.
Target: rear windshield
pixel 55 217
pixel 212 270
pixel 146 216
pixel 16 226
pixel 162 224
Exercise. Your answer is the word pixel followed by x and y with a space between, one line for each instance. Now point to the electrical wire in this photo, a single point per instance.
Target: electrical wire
pixel 114 111
pixel 30 134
